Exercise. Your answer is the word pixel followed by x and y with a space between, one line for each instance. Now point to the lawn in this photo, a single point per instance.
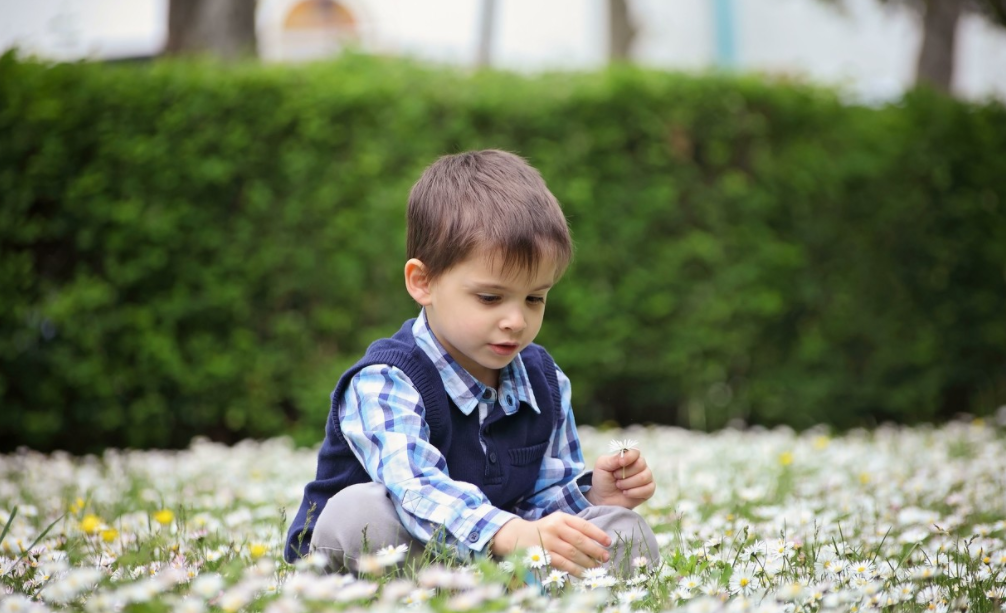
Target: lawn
pixel 896 519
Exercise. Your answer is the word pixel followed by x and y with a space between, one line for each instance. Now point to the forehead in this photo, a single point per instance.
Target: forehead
pixel 491 269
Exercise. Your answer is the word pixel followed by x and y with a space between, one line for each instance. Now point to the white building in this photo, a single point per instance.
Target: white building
pixel 867 48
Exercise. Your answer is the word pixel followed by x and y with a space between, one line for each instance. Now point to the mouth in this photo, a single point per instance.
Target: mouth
pixel 504 348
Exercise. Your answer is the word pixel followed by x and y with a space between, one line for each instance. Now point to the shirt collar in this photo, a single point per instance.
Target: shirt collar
pixel 465 390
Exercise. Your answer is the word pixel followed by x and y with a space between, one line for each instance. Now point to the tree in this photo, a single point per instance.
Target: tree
pixel 225 28
pixel 940 18
pixel 621 30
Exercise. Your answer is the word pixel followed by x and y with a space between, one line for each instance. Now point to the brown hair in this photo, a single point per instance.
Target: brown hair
pixel 485 200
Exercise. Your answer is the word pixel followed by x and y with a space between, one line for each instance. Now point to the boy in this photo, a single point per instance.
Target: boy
pixel 458 428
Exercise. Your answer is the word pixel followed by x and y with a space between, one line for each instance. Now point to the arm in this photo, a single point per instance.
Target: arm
pixel 383 419
pixel 548 517
pixel 556 488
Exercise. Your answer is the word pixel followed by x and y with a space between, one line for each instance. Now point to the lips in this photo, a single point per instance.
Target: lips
pixel 503 348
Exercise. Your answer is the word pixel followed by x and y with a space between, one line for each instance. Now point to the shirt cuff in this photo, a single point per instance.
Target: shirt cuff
pixel 572 498
pixel 475 534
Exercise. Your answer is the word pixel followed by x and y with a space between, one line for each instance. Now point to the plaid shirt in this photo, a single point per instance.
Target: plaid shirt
pixel 383 419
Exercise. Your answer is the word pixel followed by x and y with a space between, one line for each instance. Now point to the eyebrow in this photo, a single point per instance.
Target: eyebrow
pixel 503 288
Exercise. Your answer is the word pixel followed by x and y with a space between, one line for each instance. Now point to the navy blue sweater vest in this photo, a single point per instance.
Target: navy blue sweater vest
pixel 505 472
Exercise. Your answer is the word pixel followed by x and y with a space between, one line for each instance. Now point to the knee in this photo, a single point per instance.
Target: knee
pixel 631 536
pixel 346 517
pixel 361 496
pixel 628 522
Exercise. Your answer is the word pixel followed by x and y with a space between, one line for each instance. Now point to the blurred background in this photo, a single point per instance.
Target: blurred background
pixel 874 49
pixel 787 212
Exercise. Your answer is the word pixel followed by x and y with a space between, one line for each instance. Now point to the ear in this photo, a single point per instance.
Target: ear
pixel 417 282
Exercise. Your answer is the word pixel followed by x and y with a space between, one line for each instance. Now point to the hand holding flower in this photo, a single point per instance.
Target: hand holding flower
pixel 621 478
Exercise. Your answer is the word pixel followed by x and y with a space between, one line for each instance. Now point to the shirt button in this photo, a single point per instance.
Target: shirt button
pixel 487 394
pixel 509 399
pixel 492 457
pixel 473 537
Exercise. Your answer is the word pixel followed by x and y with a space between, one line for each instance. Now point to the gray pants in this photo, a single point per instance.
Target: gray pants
pixel 365 511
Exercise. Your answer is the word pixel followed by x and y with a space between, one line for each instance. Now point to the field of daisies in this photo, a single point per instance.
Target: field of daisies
pixel 896 519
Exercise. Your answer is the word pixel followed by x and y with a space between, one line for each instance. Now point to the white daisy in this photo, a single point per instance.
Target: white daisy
pixel 632 595
pixel 536 557
pixel 556 578
pixel 622 446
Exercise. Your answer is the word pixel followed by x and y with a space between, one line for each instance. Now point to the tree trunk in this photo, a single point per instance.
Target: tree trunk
pixel 225 28
pixel 936 57
pixel 487 26
pixel 621 31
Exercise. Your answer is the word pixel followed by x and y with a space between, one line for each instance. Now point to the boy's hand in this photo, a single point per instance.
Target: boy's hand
pixel 574 544
pixel 621 479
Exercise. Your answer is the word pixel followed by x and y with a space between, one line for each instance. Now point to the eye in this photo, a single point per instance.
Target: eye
pixel 536 299
pixel 487 298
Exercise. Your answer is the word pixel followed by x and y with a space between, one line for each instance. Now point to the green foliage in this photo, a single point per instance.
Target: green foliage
pixel 191 248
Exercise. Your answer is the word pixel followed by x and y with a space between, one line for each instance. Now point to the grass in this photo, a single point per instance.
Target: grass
pixel 895 519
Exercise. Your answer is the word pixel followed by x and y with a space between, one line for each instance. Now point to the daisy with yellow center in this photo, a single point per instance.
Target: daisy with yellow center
pixel 537 557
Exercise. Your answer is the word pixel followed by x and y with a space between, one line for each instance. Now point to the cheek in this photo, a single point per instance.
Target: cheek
pixel 473 322
pixel 536 318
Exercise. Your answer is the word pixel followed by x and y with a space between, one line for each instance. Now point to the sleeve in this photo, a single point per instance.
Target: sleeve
pixel 560 485
pixel 383 419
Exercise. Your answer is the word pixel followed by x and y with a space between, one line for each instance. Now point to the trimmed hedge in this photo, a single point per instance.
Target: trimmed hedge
pixel 190 248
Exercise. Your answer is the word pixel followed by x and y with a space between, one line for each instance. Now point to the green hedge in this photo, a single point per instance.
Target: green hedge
pixel 189 248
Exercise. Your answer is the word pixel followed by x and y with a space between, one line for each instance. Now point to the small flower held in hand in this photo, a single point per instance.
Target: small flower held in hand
pixel 621 447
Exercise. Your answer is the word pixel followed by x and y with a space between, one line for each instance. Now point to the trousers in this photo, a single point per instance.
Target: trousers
pixel 362 518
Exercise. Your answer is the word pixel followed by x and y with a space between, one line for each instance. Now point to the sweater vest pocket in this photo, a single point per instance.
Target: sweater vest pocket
pixel 522 456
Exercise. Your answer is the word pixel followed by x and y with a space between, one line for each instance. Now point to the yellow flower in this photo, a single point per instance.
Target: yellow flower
pixel 164 517
pixel 864 478
pixel 77 506
pixel 257 550
pixel 109 535
pixel 91 524
pixel 786 458
pixel 820 442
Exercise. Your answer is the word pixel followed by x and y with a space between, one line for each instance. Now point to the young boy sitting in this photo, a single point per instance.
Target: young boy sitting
pixel 458 428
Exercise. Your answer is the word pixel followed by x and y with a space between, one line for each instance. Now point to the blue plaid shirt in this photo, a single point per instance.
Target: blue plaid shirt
pixel 383 419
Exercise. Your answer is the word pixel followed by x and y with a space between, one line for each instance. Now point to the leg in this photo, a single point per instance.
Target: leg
pixel 339 531
pixel 631 536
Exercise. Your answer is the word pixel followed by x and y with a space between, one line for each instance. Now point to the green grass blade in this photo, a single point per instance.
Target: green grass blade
pixel 39 538
pixel 6 528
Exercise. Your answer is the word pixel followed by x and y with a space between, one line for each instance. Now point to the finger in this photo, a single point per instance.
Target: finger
pixel 616 461
pixel 643 492
pixel 589 530
pixel 629 457
pixel 638 462
pixel 635 480
pixel 566 556
pixel 581 549
pixel 630 470
pixel 564 564
pixel 574 557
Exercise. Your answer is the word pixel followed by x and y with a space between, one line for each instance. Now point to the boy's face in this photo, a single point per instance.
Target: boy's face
pixel 483 315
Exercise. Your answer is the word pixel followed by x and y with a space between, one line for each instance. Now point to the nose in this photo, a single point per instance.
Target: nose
pixel 514 320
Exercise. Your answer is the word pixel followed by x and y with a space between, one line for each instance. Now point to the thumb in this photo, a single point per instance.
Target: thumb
pixel 615 461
